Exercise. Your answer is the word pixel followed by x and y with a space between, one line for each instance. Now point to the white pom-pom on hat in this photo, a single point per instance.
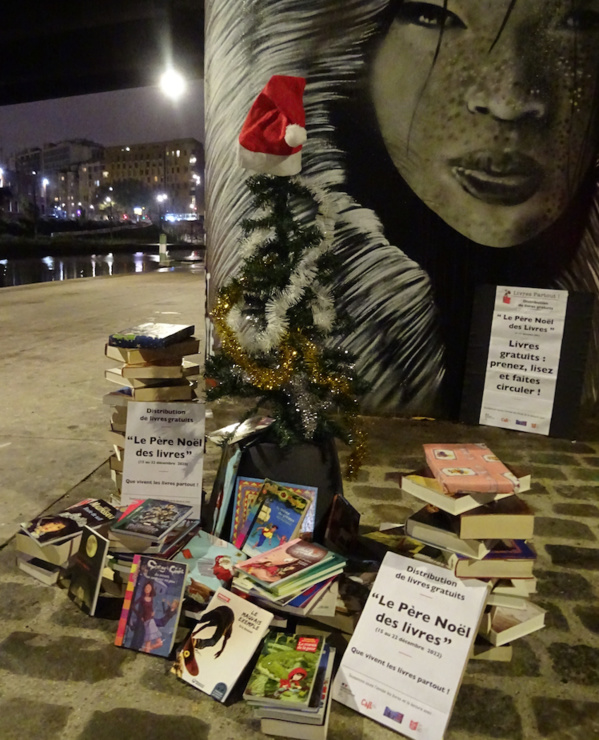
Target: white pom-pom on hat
pixel 295 135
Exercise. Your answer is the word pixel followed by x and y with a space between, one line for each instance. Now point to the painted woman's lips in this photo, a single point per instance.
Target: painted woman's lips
pixel 501 178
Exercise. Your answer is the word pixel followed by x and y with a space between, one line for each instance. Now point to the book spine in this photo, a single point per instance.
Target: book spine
pixel 120 633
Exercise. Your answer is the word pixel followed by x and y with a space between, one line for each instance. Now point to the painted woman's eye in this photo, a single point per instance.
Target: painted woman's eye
pixel 428 15
pixel 581 20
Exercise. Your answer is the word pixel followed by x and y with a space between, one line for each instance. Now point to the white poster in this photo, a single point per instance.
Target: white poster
pixel 405 660
pixel 524 352
pixel 164 452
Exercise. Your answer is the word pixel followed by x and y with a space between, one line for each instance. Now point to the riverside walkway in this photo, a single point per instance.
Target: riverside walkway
pixel 61 678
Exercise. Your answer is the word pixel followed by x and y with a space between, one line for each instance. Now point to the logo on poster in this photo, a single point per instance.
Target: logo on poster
pixel 506 297
pixel 504 419
pixel 392 714
pixel 367 704
pixel 521 423
pixel 413 724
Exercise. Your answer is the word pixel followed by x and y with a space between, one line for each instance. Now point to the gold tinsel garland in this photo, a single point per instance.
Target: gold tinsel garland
pixel 290 349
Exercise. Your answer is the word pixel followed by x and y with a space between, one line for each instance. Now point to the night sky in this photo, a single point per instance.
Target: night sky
pixel 123 117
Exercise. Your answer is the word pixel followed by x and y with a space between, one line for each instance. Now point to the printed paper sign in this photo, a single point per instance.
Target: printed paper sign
pixel 405 660
pixel 524 353
pixel 164 452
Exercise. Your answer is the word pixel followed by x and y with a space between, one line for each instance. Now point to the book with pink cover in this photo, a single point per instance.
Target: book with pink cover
pixel 469 468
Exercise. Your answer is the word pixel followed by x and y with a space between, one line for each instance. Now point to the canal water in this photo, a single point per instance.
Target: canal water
pixel 47 269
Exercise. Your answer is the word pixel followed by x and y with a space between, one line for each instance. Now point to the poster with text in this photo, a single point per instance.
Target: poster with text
pixel 406 658
pixel 524 354
pixel 164 453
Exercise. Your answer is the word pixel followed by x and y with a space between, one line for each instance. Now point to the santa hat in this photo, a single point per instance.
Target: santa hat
pixel 273 133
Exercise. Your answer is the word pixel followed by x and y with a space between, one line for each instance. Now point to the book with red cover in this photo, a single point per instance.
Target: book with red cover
pixel 469 468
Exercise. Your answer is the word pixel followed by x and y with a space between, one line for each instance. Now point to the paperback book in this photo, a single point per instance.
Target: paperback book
pixel 277 519
pixel 510 518
pixel 151 335
pixel 286 671
pixel 469 468
pixel 55 528
pixel 152 605
pixel 152 519
pixel 86 573
pixel 140 355
pixel 222 643
pixel 211 565
pixel 506 625
pixel 438 528
pixel 507 559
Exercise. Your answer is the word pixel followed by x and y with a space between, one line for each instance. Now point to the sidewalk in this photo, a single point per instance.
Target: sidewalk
pixel 61 678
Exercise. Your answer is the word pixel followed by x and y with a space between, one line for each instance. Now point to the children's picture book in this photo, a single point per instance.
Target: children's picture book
pixel 278 518
pixel 424 486
pixel 245 508
pixel 286 670
pixel 469 468
pixel 224 640
pixel 86 572
pixel 210 565
pixel 152 605
pixel 151 335
pixel 152 519
pixel 56 528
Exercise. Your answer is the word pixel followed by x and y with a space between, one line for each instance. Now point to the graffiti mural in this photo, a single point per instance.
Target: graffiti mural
pixel 457 143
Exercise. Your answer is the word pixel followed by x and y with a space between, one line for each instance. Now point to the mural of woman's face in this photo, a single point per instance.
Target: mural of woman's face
pixel 490 115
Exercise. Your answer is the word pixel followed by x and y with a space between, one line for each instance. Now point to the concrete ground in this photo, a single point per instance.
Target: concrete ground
pixel 61 678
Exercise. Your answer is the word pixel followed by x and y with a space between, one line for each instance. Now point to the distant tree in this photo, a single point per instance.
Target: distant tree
pixel 125 194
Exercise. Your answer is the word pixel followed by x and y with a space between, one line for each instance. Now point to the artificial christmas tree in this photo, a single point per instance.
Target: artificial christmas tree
pixel 276 320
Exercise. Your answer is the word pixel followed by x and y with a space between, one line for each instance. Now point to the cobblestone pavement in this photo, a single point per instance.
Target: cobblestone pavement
pixel 62 678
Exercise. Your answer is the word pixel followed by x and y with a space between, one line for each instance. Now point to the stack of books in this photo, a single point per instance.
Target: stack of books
pixel 289 686
pixel 48 544
pixel 291 578
pixel 483 529
pixel 152 367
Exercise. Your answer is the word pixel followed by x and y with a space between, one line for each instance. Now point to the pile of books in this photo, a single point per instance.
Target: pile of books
pixel 152 367
pixel 47 545
pixel 289 686
pixel 483 529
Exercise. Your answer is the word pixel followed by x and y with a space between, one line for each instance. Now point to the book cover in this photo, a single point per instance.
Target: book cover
pixel 509 517
pixel 285 562
pixel 279 515
pixel 152 605
pixel 240 430
pixel 343 526
pixel 507 559
pixel 56 528
pixel 469 468
pixel 507 624
pixel 42 570
pixel 140 355
pixel 438 528
pixel 86 572
pixel 222 643
pixel 151 335
pixel 152 519
pixel 247 492
pixel 424 486
pixel 211 564
pixel 286 670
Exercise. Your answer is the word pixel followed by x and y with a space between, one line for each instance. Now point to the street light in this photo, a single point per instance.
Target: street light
pixel 172 84
pixel 161 198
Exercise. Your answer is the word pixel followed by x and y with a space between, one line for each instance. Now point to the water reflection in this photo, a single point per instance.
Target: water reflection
pixel 48 269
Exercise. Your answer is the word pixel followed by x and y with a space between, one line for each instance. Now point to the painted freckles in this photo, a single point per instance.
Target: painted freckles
pixel 490 116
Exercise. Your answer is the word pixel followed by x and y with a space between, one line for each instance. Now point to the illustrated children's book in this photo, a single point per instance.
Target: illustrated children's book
pixel 86 572
pixel 211 564
pixel 152 519
pixel 286 670
pixel 151 335
pixel 222 643
pixel 152 605
pixel 278 518
pixel 469 468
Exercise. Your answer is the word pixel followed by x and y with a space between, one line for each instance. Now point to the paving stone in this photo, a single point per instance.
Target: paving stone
pixel 545 471
pixel 580 510
pixel 555 618
pixel 537 487
pixel 135 724
pixel 23 718
pixel 488 711
pixel 579 448
pixel 584 493
pixel 576 663
pixel 376 493
pixel 524 662
pixel 586 474
pixel 552 458
pixel 585 558
pixel 589 616
pixel 23 602
pixel 377 513
pixel 570 586
pixel 552 527
pixel 61 658
pixel 564 719
pixel 591 461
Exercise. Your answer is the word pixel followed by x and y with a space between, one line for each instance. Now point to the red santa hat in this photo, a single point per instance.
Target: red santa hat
pixel 273 133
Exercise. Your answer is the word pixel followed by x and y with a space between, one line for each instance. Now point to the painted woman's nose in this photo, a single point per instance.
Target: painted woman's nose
pixel 506 102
